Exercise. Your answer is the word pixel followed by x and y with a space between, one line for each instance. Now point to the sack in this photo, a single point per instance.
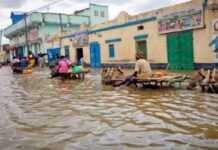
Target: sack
pixel 77 69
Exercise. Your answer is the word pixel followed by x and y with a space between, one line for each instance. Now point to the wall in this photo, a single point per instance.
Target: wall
pixel 84 12
pixel 73 54
pixel 99 9
pixel 202 51
pixel 125 49
pixel 156 43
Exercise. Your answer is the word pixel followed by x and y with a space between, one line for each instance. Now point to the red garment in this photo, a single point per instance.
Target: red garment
pixel 63 66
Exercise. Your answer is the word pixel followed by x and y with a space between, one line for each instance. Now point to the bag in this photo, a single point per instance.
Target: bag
pixel 77 69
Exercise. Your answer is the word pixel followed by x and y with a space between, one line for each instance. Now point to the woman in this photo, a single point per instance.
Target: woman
pixel 63 67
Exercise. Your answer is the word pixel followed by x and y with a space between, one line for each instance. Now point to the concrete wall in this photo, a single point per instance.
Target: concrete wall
pixel 156 43
pixel 125 49
pixel 202 38
pixel 98 18
pixel 73 51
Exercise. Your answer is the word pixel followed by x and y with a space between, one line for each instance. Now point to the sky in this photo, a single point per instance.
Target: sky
pixel 69 6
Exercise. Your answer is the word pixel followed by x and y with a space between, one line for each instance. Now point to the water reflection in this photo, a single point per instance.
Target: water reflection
pixel 39 113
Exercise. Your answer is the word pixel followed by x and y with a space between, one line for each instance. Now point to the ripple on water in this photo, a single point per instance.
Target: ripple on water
pixel 40 113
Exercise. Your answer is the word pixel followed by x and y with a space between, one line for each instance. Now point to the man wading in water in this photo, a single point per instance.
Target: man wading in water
pixel 142 70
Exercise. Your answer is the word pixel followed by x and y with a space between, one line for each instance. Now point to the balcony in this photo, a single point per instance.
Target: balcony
pixel 34 18
pixel 46 18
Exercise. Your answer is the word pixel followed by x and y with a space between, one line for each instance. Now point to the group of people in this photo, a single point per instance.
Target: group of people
pixel 19 64
pixel 62 67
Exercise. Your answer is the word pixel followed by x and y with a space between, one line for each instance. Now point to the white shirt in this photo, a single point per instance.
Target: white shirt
pixel 143 66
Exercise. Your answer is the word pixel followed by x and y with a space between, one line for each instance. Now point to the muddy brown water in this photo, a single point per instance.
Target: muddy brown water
pixel 37 113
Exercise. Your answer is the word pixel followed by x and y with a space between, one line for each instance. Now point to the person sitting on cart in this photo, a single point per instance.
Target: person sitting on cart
pixel 142 71
pixel 142 67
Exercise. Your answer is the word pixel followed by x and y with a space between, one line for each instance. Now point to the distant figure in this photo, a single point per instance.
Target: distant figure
pixel 41 61
pixel 63 67
pixel 15 61
pixel 31 60
pixel 54 70
pixel 23 62
pixel 81 61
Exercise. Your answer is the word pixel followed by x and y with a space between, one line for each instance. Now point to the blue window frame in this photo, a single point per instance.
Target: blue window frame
pixel 111 51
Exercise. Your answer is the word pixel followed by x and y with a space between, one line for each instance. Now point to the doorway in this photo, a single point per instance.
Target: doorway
pixel 79 54
pixel 20 52
pixel 67 51
pixel 95 55
pixel 180 50
pixel 142 46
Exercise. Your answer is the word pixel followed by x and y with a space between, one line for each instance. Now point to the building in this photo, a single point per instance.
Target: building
pixel 2 54
pixel 75 44
pixel 180 37
pixel 31 32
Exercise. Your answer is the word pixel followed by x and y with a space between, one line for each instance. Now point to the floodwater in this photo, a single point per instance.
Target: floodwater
pixel 37 113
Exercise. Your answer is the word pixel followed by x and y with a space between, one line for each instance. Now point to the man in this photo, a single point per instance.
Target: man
pixel 41 61
pixel 142 67
pixel 142 70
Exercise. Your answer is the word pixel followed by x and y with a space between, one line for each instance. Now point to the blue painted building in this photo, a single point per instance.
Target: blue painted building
pixel 17 16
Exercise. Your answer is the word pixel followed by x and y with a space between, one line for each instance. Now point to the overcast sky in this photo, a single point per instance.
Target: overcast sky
pixel 69 6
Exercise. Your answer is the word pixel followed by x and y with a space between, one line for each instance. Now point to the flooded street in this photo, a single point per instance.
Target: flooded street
pixel 38 113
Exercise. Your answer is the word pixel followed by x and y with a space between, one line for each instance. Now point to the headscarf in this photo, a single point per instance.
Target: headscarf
pixel 140 55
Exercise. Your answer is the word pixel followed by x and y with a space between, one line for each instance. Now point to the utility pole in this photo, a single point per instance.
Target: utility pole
pixel 26 33
pixel 61 29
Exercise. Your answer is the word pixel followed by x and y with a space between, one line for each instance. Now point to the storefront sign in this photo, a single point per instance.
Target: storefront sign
pixel 181 21
pixel 80 39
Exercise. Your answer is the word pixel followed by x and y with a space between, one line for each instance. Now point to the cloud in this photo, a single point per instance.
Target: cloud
pixel 111 2
pixel 142 5
pixel 12 3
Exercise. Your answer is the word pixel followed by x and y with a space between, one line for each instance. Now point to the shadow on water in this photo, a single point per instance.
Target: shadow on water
pixel 38 113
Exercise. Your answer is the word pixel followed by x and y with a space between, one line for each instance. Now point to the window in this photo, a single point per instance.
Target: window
pixel 96 13
pixel 140 27
pixel 111 51
pixel 102 14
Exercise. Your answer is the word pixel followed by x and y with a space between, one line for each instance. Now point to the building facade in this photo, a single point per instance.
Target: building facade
pixel 75 44
pixel 180 37
pixel 34 31
pixel 2 54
